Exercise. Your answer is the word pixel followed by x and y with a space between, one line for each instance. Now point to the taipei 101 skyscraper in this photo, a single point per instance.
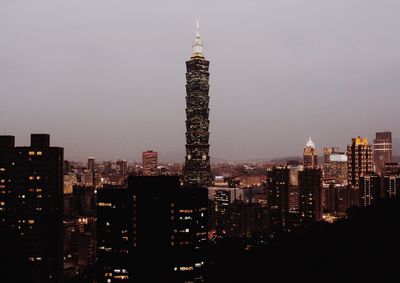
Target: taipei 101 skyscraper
pixel 197 162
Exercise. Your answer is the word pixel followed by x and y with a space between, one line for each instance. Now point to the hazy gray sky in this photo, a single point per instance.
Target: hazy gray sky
pixel 107 78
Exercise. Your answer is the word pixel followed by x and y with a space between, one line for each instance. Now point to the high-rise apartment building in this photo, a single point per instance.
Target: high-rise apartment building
pixel 310 184
pixel 310 155
pixel 31 204
pixel 359 163
pixel 150 163
pixel 197 162
pixel 382 151
pixel 278 186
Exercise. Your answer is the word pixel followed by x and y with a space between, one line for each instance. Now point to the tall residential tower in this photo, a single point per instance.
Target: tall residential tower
pixel 197 162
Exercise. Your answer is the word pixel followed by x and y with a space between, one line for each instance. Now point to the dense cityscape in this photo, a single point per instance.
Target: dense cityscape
pixel 112 221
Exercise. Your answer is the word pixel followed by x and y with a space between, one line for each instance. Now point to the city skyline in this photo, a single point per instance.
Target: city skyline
pixel 90 77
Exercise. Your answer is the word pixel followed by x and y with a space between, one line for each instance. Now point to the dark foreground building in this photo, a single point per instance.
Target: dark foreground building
pixel 151 231
pixel 310 183
pixel 31 207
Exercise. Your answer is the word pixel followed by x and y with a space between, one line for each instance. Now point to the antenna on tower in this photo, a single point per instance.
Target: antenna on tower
pixel 197 24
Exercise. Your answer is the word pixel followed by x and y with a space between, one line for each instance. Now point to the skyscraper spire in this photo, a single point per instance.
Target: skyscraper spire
pixel 197 44
pixel 197 162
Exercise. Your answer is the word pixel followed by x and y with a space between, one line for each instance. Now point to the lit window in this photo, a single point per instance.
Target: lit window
pixel 31 221
pixel 104 204
pixel 31 153
pixel 31 178
pixel 39 153
pixel 37 177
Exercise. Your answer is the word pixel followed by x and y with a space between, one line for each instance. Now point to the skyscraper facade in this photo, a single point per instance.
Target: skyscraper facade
pixel 310 155
pixel 382 151
pixel 150 163
pixel 31 204
pixel 197 162
pixel 359 163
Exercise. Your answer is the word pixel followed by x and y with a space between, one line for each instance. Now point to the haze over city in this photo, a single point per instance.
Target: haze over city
pixel 110 81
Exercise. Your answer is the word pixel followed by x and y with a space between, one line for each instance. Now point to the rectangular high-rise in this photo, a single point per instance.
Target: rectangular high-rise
pixel 370 189
pixel 310 184
pixel 328 151
pixel 382 151
pixel 278 186
pixel 150 163
pixel 359 163
pixel 31 204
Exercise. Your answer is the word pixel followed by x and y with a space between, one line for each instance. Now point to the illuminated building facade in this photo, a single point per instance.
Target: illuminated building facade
pixel 150 163
pixel 327 161
pixel 338 167
pixel 359 163
pixel 370 189
pixel 31 203
pixel 310 184
pixel 152 224
pixel 310 155
pixel 197 161
pixel 391 181
pixel 391 186
pixel 382 151
pixel 278 187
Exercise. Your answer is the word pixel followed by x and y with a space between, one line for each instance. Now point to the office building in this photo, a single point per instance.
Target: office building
pixel 382 151
pixel 338 167
pixel 91 164
pixel 310 156
pixel 150 163
pixel 197 161
pixel 328 151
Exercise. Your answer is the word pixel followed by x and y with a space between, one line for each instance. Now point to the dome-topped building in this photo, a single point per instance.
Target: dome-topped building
pixel 310 155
